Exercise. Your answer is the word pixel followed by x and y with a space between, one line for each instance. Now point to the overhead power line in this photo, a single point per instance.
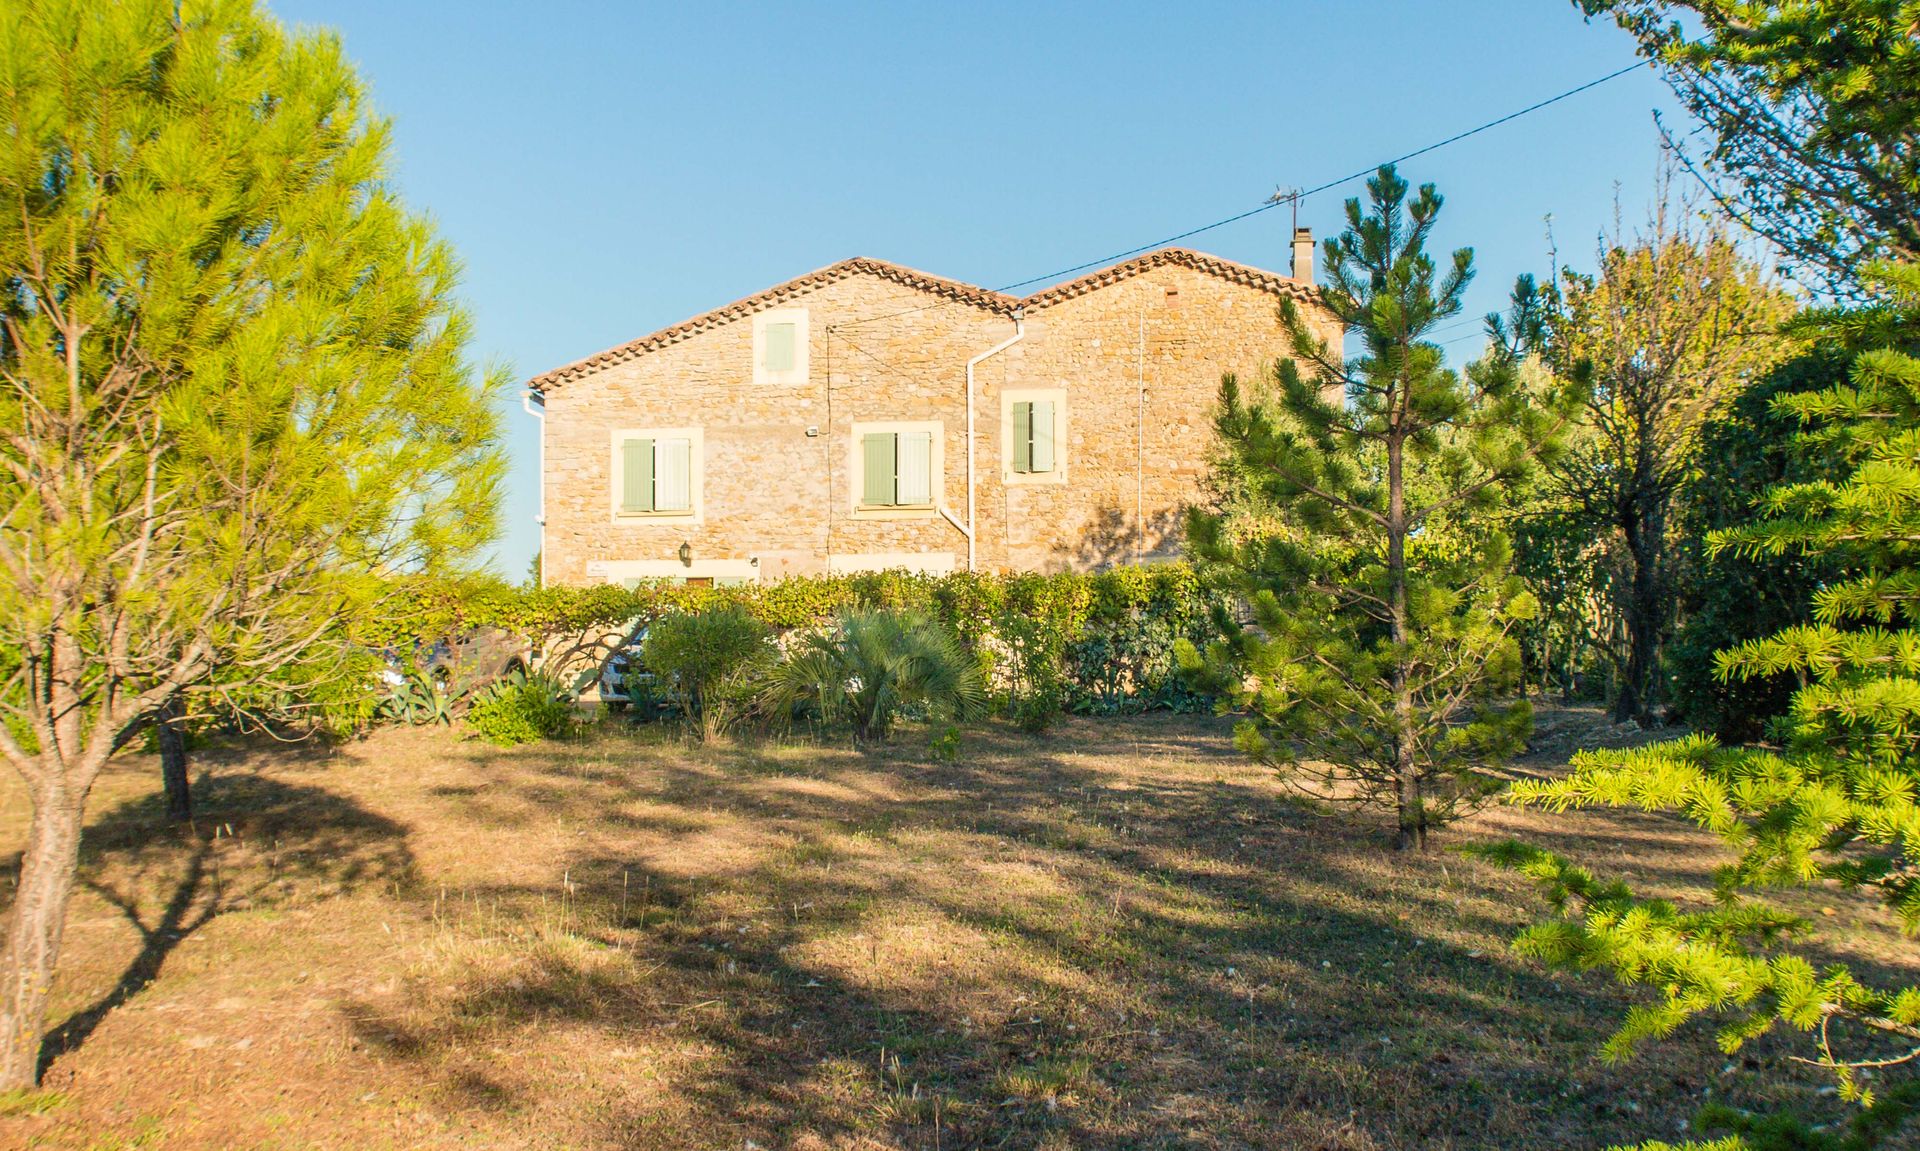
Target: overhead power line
pixel 1290 198
pixel 1296 197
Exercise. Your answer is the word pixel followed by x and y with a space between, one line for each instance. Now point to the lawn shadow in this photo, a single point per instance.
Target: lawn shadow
pixel 1110 936
pixel 255 841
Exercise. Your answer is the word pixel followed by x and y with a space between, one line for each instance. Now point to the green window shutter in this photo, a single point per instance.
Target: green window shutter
pixel 1043 432
pixel 636 476
pixel 876 469
pixel 672 475
pixel 1023 437
pixel 780 347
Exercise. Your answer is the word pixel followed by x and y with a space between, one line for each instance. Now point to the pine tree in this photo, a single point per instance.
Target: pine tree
pixel 233 397
pixel 1838 802
pixel 1383 602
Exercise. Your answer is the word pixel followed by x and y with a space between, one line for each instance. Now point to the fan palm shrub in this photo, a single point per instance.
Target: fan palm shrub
pixel 874 666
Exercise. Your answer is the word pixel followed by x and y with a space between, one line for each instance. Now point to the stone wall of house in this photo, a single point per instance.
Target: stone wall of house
pixel 777 490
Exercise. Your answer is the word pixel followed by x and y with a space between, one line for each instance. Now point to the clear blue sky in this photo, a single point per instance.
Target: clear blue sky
pixel 608 169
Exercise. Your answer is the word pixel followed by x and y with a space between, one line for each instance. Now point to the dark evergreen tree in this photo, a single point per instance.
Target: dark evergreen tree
pixel 1726 598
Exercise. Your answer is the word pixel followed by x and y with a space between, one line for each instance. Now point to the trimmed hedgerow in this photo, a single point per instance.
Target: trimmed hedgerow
pixel 1095 643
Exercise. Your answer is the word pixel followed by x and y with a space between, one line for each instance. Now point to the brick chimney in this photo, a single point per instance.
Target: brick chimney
pixel 1303 255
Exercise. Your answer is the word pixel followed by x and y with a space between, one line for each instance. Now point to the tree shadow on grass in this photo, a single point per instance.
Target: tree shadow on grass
pixel 256 841
pixel 1031 944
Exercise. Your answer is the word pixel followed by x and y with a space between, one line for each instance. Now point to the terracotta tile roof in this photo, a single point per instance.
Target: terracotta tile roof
pixel 1184 257
pixel 937 285
pixel 773 297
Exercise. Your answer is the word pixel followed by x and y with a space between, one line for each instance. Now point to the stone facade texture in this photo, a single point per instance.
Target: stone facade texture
pixel 1135 353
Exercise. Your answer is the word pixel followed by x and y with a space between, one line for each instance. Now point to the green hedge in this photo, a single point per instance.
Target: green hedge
pixel 1095 643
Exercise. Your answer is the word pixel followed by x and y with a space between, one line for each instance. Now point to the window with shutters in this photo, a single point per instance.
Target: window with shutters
pixel 780 346
pixel 896 467
pixel 1033 428
pixel 656 473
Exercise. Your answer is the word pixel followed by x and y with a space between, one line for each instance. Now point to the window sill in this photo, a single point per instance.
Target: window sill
pixel 895 511
pixel 1021 479
pixel 641 516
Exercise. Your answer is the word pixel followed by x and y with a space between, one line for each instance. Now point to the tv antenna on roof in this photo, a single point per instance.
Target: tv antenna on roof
pixel 1288 194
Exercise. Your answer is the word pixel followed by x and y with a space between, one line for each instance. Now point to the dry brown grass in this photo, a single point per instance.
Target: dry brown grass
pixel 1118 935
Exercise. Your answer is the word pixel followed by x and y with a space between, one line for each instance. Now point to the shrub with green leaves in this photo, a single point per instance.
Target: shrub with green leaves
pixel 873 667
pixel 713 658
pixel 522 708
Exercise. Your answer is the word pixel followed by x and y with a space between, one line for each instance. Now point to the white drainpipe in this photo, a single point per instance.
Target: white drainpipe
pixel 1019 332
pixel 526 401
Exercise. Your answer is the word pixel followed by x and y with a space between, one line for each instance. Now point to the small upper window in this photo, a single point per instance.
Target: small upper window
pixel 896 469
pixel 656 476
pixel 780 346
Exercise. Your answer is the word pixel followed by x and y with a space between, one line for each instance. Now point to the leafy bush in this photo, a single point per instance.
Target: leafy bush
pixel 713 657
pixel 875 666
pixel 522 709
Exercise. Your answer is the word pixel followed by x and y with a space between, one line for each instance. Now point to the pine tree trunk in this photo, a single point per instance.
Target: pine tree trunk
pixel 1412 834
pixel 172 738
pixel 34 927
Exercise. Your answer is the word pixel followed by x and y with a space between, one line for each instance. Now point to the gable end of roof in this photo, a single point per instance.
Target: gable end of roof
pixel 746 306
pixel 954 290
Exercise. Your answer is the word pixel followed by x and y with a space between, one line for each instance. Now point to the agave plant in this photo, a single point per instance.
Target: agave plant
pixel 875 665
pixel 419 698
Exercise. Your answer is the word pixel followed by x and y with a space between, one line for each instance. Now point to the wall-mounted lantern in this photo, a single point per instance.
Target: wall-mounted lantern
pixel 686 553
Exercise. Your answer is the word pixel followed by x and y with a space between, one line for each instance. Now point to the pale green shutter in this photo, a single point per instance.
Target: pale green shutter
pixel 636 476
pixel 780 347
pixel 1041 459
pixel 876 459
pixel 672 475
pixel 913 483
pixel 1023 437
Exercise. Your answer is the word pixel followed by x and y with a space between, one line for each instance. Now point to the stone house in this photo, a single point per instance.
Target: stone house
pixel 870 416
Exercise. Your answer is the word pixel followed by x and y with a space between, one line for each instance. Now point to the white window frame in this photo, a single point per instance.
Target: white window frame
pixel 696 475
pixel 1061 424
pixel 936 463
pixel 798 373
